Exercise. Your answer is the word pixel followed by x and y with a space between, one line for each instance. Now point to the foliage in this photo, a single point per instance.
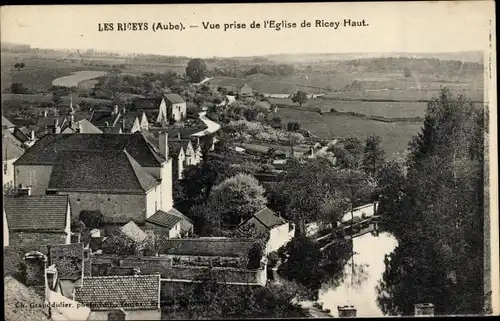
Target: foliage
pixel 13 263
pixel 373 156
pixel 350 154
pixel 295 139
pixel 255 254
pixel 299 97
pixel 209 300
pixel 333 209
pixel 91 219
pixel 196 70
pixel 18 88
pixel 407 72
pixel 437 213
pixel 121 245
pixel 293 126
pixel 19 65
pixel 237 198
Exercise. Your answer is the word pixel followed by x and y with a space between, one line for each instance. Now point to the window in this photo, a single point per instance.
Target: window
pixel 31 178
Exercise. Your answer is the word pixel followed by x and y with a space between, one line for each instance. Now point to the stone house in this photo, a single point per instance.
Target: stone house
pixel 128 297
pixel 34 221
pixel 124 176
pixel 172 224
pixel 172 107
pixel 245 91
pixel 278 231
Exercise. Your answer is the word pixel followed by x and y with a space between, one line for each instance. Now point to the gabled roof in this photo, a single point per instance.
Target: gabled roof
pixel 51 121
pixel 168 219
pixel 268 218
pixel 138 292
pixel 174 145
pixel 245 89
pixel 103 170
pixel 47 148
pixel 174 98
pixel 227 247
pixel 40 212
pixel 22 134
pixel 11 148
pixel 16 294
pixel 6 123
pixel 68 259
pixel 134 232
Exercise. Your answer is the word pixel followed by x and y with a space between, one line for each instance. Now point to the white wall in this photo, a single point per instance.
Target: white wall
pixel 279 236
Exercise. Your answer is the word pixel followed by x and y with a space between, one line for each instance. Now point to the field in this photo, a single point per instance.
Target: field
pixel 376 85
pixel 37 98
pixel 395 136
pixel 74 79
pixel 384 109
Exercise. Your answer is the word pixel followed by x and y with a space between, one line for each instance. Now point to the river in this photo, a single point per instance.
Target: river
pixel 369 266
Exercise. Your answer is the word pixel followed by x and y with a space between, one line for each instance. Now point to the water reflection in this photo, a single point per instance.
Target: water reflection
pixel 357 285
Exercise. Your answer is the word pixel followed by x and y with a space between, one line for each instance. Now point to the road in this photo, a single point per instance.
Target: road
pixel 212 126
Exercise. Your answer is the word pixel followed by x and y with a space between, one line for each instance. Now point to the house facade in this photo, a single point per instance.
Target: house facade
pixel 123 176
pixel 172 224
pixel 35 221
pixel 172 108
pixel 267 222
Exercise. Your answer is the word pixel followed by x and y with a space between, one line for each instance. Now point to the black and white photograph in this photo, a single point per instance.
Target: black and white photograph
pixel 249 161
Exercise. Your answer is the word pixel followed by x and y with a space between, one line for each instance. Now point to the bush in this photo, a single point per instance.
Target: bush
pixel 92 219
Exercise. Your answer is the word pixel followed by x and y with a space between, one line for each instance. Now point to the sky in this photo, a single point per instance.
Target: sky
pixel 423 27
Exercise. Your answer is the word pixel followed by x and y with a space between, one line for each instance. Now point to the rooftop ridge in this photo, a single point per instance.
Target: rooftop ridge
pixel 123 276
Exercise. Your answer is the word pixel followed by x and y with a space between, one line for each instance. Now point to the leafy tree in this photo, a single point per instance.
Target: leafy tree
pixel 373 156
pixel 295 139
pixel 196 70
pixel 56 99
pixel 407 72
pixel 333 209
pixel 355 187
pixel 300 97
pixel 18 88
pixel 306 186
pixel 91 219
pixel 19 66
pixel 439 258
pixel 120 244
pixel 293 126
pixel 350 154
pixel 237 198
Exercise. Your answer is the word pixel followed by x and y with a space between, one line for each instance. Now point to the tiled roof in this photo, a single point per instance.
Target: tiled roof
pixel 165 219
pixel 6 123
pixel 11 148
pixel 174 98
pixel 22 134
pixel 109 170
pixel 100 117
pixel 268 218
pixel 16 294
pixel 227 247
pixel 68 259
pixel 146 103
pixel 138 292
pixel 46 149
pixel 134 232
pixel 40 212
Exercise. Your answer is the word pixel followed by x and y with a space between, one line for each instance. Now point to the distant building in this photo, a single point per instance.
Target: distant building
pixel 266 221
pixel 245 91
pixel 135 297
pixel 172 107
pixel 38 220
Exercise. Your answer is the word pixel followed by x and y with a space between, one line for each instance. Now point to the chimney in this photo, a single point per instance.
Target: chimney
pixel 35 268
pixel 51 276
pixel 33 137
pixel 163 142
pixel 424 309
pixel 45 113
pixel 179 135
pixel 106 124
pixel 24 191
pixel 57 128
pixel 347 311
pixel 123 123
pixel 115 110
pixel 79 127
pixel 124 110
